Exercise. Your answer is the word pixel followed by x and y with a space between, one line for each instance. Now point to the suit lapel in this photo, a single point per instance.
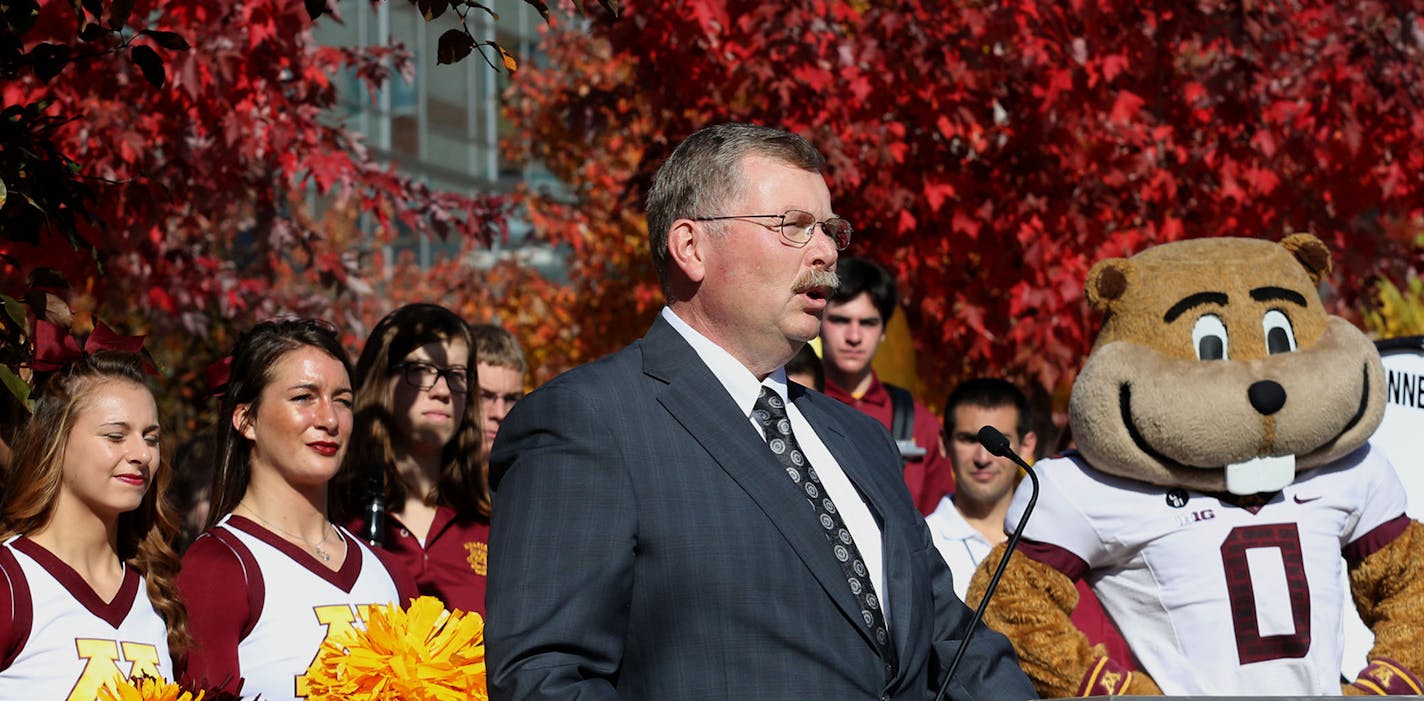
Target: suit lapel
pixel 894 539
pixel 699 402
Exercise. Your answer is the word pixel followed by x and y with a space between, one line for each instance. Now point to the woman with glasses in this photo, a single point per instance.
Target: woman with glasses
pixel 412 482
pixel 272 577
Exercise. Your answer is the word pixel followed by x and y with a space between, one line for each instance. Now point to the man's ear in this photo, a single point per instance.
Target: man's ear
pixel 241 421
pixel 685 241
pixel 1027 445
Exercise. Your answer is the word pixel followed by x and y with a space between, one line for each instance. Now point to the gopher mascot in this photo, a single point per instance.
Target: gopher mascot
pixel 1223 483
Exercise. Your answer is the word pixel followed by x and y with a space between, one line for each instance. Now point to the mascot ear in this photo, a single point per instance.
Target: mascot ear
pixel 1312 254
pixel 1107 282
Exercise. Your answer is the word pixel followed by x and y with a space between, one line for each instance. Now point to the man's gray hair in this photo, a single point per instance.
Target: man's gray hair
pixel 703 174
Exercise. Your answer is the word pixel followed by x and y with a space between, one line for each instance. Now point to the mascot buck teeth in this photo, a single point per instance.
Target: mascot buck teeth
pixel 1224 484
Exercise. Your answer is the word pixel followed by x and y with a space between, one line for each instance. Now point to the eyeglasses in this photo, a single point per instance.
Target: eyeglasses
pixel 490 396
pixel 797 227
pixel 424 376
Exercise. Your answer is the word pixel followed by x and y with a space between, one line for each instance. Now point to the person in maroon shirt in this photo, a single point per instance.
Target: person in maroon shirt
pixel 412 482
pixel 851 330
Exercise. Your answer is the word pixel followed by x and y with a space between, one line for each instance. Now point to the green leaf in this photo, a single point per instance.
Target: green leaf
pixel 3 193
pixel 455 44
pixel 14 309
pixel 172 41
pixel 18 387
pixel 150 63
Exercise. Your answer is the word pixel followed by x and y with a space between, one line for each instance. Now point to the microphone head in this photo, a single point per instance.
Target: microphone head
pixel 994 442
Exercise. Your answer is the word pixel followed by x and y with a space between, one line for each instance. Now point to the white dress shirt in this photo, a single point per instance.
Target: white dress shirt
pixel 745 388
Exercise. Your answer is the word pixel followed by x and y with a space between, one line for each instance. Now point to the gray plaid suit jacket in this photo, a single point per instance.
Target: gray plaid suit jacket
pixel 647 546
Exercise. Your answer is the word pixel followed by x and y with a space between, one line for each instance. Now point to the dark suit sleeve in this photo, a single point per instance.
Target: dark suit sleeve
pixel 990 669
pixel 561 550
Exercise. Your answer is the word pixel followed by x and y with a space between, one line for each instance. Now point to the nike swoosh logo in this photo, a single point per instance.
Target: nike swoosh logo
pixel 1298 500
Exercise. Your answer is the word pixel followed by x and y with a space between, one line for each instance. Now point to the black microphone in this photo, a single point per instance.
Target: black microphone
pixel 998 444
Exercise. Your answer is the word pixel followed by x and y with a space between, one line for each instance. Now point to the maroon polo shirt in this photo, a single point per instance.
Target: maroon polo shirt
pixel 452 565
pixel 930 478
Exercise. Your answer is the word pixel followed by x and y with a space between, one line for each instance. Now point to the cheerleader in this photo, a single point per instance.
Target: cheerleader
pixel 272 577
pixel 87 590
pixel 412 481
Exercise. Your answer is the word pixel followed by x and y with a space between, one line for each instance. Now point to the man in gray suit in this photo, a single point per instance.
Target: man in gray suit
pixel 675 522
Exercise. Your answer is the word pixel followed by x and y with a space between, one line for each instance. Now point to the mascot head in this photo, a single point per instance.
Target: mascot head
pixel 1217 368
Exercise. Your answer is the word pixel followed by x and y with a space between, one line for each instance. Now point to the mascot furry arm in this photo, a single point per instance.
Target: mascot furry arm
pixel 1219 418
pixel 1033 606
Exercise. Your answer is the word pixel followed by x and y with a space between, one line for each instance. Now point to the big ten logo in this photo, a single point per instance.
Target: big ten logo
pixel 477 554
pixel 101 664
pixel 338 619
pixel 1196 516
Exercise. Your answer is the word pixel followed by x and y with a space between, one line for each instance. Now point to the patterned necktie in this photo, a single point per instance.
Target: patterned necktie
pixel 770 412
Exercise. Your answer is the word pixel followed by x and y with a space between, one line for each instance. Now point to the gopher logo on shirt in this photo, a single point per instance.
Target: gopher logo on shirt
pixel 477 554
pixel 101 664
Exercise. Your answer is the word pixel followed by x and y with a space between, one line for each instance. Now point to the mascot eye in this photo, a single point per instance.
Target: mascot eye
pixel 1209 338
pixel 1280 337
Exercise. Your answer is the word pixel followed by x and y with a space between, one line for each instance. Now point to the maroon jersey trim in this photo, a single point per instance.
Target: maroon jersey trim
pixel 343 579
pixel 1386 677
pixel 252 577
pixel 1072 566
pixel 18 620
pixel 1105 678
pixel 112 612
pixel 1370 543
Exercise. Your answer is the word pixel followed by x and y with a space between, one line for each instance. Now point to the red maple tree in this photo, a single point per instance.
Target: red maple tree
pixel 171 167
pixel 991 152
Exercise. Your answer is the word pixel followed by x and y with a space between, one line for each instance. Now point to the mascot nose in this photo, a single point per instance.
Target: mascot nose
pixel 1267 396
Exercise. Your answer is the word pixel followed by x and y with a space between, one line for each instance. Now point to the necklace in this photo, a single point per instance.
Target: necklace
pixel 315 547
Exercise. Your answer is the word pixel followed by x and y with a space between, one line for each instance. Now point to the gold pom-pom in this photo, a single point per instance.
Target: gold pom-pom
pixel 145 689
pixel 423 653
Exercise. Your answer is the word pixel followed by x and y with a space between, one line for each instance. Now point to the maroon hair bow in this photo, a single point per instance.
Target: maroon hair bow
pixel 217 375
pixel 55 348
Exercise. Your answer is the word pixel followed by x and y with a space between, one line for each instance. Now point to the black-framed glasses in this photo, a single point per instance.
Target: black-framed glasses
pixel 798 226
pixel 424 375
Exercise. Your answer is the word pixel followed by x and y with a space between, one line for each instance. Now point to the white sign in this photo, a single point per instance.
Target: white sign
pixel 1401 437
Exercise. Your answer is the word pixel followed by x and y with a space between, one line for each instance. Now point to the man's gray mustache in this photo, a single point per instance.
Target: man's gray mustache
pixel 812 279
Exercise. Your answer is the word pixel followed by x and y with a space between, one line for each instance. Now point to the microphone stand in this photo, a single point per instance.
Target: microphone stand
pixel 996 443
pixel 374 532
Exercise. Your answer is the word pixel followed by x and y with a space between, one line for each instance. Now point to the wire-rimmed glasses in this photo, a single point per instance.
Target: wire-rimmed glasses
pixel 798 226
